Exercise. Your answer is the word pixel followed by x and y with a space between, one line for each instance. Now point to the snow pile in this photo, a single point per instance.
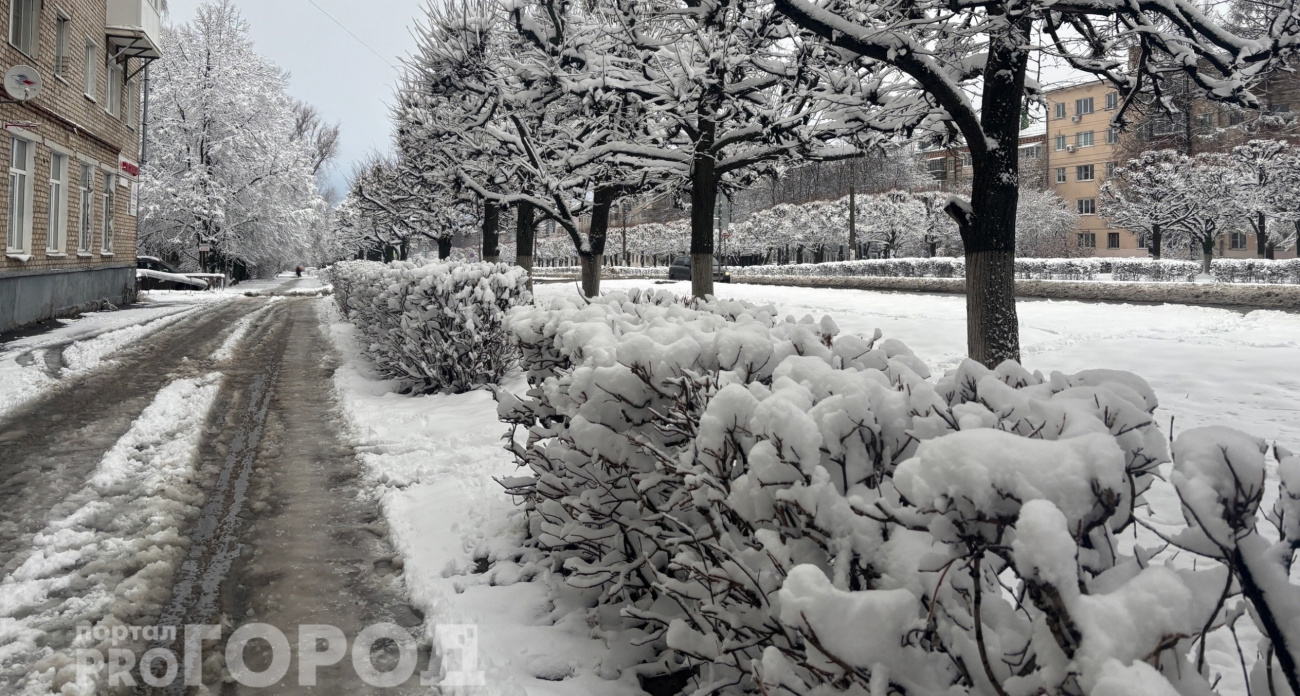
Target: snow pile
pixel 772 506
pixel 101 564
pixel 436 327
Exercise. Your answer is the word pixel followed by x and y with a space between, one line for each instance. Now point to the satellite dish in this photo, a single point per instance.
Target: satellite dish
pixel 23 83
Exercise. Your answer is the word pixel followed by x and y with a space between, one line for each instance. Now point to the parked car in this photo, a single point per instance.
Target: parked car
pixel 152 273
pixel 681 270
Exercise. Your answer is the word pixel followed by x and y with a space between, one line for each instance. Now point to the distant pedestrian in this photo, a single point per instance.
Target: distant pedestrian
pixel 298 270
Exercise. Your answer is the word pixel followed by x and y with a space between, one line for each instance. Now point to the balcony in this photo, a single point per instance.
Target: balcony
pixel 134 29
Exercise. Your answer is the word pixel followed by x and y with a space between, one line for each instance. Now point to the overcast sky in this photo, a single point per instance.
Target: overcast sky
pixel 348 83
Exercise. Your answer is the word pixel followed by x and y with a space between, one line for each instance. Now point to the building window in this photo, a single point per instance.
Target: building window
pixel 1060 175
pixel 92 68
pixel 22 24
pixel 1112 101
pixel 1060 110
pixel 1110 169
pixel 57 239
pixel 113 89
pixel 1237 240
pixel 1112 135
pixel 109 209
pixel 1112 240
pixel 1236 117
pixel 1206 122
pixel 132 104
pixel 1060 142
pixel 61 27
pixel 1032 152
pixel 965 161
pixel 1087 206
pixel 1083 139
pixel 1087 240
pixel 938 168
pixel 1083 172
pixel 1083 107
pixel 1142 240
pixel 86 207
pixel 19 224
pixel 1279 108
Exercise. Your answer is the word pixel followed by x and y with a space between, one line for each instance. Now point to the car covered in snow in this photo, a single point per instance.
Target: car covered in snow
pixel 152 273
pixel 681 270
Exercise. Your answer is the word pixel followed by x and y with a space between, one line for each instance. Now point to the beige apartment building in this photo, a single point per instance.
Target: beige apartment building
pixel 72 146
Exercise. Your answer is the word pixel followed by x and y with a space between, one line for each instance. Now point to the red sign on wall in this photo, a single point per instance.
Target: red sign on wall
pixel 128 168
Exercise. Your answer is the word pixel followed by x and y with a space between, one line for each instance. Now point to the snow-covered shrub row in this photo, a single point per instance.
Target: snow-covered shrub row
pixel 939 267
pixel 436 326
pixel 607 271
pixel 1256 271
pixel 774 507
pixel 1153 270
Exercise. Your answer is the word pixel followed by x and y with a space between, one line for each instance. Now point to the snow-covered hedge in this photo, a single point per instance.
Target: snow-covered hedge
pixel 772 507
pixel 606 271
pixel 939 267
pixel 437 326
pixel 1256 271
pixel 1153 270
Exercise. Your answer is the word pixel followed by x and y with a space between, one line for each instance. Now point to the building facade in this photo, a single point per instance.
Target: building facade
pixel 70 208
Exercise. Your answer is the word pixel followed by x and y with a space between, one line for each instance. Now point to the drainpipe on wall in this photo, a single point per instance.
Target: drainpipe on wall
pixel 144 121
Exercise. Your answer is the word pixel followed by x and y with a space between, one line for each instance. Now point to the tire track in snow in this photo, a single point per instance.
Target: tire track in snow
pixel 96 565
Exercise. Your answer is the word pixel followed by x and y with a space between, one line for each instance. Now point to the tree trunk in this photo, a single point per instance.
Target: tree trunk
pixel 1207 254
pixel 1156 235
pixel 853 212
pixel 1261 236
pixel 989 231
pixel 704 196
pixel 444 248
pixel 593 258
pixel 491 221
pixel 524 229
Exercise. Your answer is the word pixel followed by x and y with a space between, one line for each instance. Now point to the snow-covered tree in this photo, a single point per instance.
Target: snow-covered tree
pixel 894 220
pixel 1044 224
pixel 929 57
pixel 1146 196
pixel 1269 192
pixel 233 160
pixel 1210 189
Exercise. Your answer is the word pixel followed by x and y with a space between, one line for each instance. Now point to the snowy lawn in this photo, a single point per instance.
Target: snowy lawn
pixel 434 458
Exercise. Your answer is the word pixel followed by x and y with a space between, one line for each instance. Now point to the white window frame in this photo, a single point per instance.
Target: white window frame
pixel 62 31
pixel 115 80
pixel 90 83
pixel 1082 136
pixel 1112 101
pixel 132 104
pixel 1110 169
pixel 86 210
pixel 1238 240
pixel 1060 143
pixel 1060 110
pixel 24 31
pixel 1086 206
pixel 940 173
pixel 108 228
pixel 1079 171
pixel 18 232
pixel 1087 240
pixel 1060 175
pixel 1112 135
pixel 1084 106
pixel 56 239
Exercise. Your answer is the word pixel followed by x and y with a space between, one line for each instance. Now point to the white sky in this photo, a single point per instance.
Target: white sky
pixel 348 83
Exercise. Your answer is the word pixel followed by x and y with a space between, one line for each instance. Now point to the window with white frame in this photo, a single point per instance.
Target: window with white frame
pixel 1112 101
pixel 19 223
pixel 113 89
pixel 132 104
pixel 1083 139
pixel 92 68
pixel 108 199
pixel 23 15
pixel 938 168
pixel 56 239
pixel 1060 109
pixel 1112 135
pixel 1031 152
pixel 1060 142
pixel 1238 240
pixel 86 210
pixel 1083 107
pixel 1087 206
pixel 1087 240
pixel 1084 172
pixel 1110 169
pixel 62 25
pixel 1060 175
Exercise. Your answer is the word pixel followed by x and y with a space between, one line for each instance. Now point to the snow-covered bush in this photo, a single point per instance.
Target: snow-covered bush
pixel 437 326
pixel 1256 271
pixel 776 507
pixel 1154 270
pixel 607 271
pixel 939 267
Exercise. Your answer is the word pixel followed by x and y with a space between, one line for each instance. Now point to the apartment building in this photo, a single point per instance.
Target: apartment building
pixel 1082 152
pixel 70 208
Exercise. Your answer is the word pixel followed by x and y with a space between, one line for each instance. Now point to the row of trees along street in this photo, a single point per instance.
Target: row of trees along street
pixel 559 110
